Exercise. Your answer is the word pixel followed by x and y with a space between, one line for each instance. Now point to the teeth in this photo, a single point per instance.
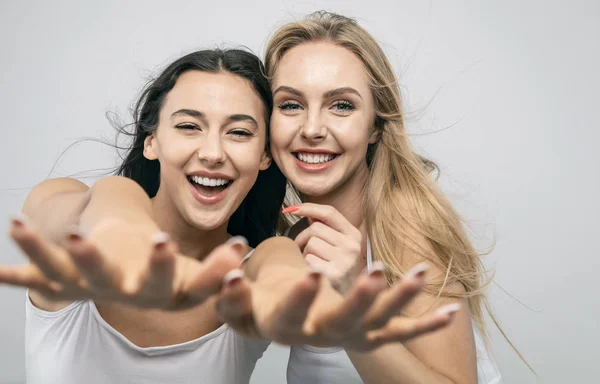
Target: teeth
pixel 314 159
pixel 205 181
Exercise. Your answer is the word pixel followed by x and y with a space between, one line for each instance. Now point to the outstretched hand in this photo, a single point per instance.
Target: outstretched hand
pixel 293 307
pixel 117 263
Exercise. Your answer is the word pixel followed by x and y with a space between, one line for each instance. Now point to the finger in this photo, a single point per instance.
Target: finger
pixel 318 263
pixel 93 270
pixel 391 302
pixel 234 305
pixel 158 282
pixel 402 329
pixel 321 231
pixel 348 316
pixel 319 248
pixel 27 276
pixel 325 214
pixel 49 258
pixel 290 315
pixel 201 280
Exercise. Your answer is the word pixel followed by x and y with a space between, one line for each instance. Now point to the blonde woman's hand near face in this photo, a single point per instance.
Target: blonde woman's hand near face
pixel 116 262
pixel 330 244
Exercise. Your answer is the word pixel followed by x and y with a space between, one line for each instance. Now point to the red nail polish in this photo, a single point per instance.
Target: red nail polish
pixel 290 209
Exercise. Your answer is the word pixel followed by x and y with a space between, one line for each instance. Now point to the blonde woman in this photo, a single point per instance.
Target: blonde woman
pixel 338 135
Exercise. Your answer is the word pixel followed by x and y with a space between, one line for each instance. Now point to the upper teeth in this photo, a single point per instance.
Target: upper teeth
pixel 207 182
pixel 314 159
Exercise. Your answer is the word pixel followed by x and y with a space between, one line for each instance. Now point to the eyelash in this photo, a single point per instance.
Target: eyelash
pixel 186 126
pixel 235 132
pixel 241 132
pixel 348 106
pixel 286 106
pixel 292 106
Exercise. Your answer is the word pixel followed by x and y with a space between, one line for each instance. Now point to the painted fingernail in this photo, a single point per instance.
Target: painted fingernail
pixel 238 243
pixel 449 309
pixel 75 236
pixel 290 209
pixel 418 271
pixel 315 274
pixel 233 277
pixel 19 220
pixel 160 239
pixel 377 269
pixel 237 240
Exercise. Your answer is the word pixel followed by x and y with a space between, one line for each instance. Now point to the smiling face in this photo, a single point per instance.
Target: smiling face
pixel 210 143
pixel 323 117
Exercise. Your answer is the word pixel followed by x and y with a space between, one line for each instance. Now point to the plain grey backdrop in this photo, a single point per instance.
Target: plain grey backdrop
pixel 502 94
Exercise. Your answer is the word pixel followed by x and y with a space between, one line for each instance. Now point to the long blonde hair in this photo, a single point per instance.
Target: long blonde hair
pixel 402 201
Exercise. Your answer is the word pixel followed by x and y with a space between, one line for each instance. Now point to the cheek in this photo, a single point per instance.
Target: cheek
pixel 283 131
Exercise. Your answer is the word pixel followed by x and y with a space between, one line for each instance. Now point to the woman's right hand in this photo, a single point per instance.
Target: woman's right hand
pixel 117 263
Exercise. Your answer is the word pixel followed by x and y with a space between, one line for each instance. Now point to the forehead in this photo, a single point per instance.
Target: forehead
pixel 323 65
pixel 214 94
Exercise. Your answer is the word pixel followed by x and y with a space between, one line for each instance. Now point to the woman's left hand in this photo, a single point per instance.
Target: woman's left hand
pixel 291 306
pixel 330 244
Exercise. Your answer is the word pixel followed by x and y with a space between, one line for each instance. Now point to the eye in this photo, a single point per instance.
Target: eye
pixel 290 106
pixel 343 106
pixel 241 133
pixel 186 126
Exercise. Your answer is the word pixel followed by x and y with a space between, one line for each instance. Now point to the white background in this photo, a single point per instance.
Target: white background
pixel 515 82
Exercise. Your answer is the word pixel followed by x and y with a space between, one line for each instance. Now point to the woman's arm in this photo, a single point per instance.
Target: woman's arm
pixel 115 254
pixel 285 301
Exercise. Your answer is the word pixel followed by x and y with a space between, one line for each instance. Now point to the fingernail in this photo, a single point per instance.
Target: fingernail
pixel 233 277
pixel 237 240
pixel 75 236
pixel 315 274
pixel 418 271
pixel 377 269
pixel 160 239
pixel 290 209
pixel 19 220
pixel 448 309
pixel 238 243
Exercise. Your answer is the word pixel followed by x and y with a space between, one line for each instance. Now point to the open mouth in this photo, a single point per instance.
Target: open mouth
pixel 208 186
pixel 315 158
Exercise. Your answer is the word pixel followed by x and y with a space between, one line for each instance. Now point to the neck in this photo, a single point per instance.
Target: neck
pixel 347 199
pixel 191 241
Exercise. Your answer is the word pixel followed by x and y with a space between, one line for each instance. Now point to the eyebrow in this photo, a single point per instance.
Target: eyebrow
pixel 327 95
pixel 242 117
pixel 187 112
pixel 230 119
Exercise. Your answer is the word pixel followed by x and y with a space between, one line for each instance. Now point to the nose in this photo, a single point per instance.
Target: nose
pixel 211 151
pixel 314 128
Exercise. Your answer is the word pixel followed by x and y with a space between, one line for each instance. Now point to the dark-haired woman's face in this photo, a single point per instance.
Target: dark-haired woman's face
pixel 210 143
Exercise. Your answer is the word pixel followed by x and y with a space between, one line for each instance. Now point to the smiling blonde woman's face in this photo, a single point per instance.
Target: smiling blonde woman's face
pixel 323 116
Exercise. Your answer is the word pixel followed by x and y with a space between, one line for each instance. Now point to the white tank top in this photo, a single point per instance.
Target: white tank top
pixel 75 345
pixel 308 364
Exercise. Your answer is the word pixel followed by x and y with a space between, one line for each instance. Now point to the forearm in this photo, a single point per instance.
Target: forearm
pixel 273 254
pixel 394 363
pixel 56 206
pixel 118 198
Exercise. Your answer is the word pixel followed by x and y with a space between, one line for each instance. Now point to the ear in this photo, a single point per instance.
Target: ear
pixel 265 161
pixel 149 147
pixel 374 136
